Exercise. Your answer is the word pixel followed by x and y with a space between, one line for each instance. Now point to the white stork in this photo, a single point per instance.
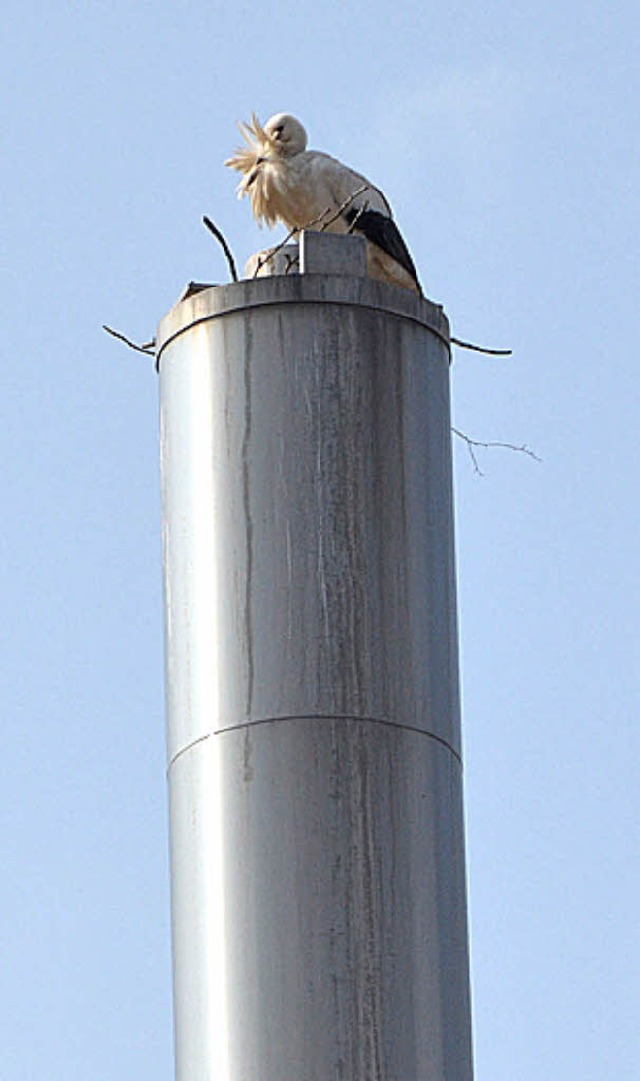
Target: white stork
pixel 288 183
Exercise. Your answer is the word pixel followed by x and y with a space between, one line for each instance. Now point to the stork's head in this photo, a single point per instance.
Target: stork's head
pixel 281 137
pixel 286 134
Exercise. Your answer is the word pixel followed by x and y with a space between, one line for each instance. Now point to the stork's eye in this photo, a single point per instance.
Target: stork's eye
pixel 277 132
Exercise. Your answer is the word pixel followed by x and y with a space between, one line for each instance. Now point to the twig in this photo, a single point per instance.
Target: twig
pixel 471 443
pixel 481 349
pixel 309 225
pixel 274 251
pixel 360 212
pixel 148 347
pixel 343 206
pixel 225 247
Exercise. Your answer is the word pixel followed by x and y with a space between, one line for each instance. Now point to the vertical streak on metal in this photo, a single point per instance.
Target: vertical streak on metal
pixel 317 842
pixel 246 444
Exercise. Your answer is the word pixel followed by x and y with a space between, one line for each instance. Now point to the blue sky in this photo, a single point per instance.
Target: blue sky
pixel 506 139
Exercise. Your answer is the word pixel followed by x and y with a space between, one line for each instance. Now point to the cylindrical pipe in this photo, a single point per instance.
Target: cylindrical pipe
pixel 317 847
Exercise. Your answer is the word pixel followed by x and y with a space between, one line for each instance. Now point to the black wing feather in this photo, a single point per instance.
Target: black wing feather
pixel 384 232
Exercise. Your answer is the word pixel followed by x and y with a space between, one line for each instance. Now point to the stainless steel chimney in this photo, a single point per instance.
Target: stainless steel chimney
pixel 317 842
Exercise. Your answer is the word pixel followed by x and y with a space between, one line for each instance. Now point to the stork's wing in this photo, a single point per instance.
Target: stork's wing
pixel 384 232
pixel 334 183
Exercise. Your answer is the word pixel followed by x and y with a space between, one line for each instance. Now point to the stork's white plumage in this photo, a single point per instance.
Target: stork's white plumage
pixel 288 183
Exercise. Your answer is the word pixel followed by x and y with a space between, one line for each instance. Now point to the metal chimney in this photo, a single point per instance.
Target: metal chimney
pixel 317 845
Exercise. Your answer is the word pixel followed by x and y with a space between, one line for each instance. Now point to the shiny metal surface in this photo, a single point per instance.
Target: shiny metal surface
pixel 308 519
pixel 335 943
pixel 312 687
